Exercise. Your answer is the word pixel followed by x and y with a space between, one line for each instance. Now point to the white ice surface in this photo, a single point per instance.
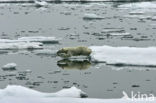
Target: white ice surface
pixel 124 55
pixel 119 34
pixel 38 39
pixel 23 92
pixel 34 42
pixel 141 5
pixel 30 39
pixel 19 94
pixel 40 3
pixel 92 16
pixel 20 45
pixel 10 65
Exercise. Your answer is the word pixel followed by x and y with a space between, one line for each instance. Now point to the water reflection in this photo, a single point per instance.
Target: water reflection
pixel 74 64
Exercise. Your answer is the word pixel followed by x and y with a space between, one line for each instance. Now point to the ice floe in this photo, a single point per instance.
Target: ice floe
pixel 92 17
pixel 41 39
pixel 23 92
pixel 40 3
pixel 9 66
pixel 124 55
pixel 140 10
pixel 113 30
pixel 154 18
pixel 21 45
pixel 138 16
pixel 35 42
pixel 142 5
pixel 20 94
pixel 136 12
pixel 119 34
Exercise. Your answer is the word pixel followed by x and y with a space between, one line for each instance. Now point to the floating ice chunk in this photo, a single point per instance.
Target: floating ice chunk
pixel 119 34
pixel 91 17
pixel 32 39
pixel 39 39
pixel 124 55
pixel 9 41
pixel 149 5
pixel 9 66
pixel 40 3
pixel 28 71
pixel 20 92
pixel 20 45
pixel 136 12
pixel 145 17
pixel 154 18
pixel 138 16
pixel 72 92
pixel 113 30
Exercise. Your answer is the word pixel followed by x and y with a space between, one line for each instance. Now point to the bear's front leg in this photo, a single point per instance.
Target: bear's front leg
pixel 69 54
pixel 89 58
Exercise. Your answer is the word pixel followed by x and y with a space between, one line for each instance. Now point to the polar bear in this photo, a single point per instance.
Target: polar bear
pixel 74 51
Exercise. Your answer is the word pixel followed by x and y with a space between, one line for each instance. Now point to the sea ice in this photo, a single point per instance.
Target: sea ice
pixel 9 66
pixel 23 92
pixel 19 94
pixel 20 45
pixel 39 39
pixel 91 17
pixel 124 55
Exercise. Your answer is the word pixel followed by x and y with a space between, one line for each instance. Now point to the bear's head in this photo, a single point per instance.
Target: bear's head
pixel 63 53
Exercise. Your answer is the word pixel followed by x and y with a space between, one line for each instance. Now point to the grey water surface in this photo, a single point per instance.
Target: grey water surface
pixel 68 21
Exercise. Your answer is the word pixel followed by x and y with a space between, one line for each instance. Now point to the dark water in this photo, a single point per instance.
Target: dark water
pixel 67 21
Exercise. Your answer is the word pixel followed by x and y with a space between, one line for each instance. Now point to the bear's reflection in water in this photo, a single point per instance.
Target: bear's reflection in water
pixel 74 64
